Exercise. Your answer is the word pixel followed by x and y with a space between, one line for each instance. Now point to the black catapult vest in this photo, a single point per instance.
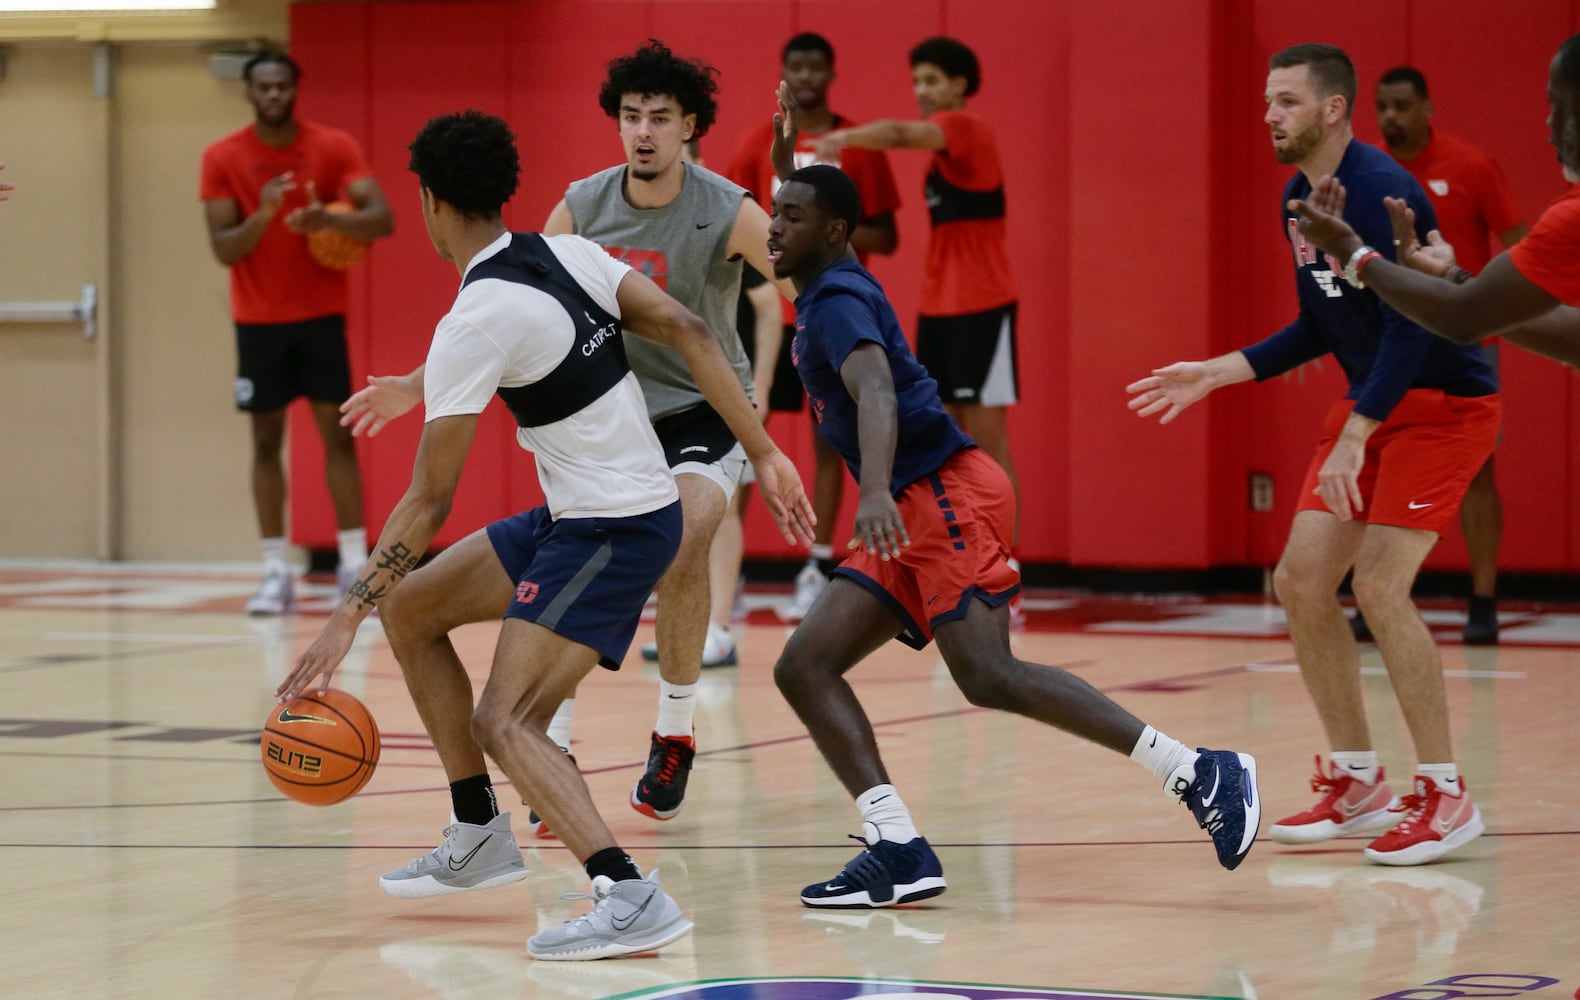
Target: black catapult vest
pixel 596 361
pixel 948 203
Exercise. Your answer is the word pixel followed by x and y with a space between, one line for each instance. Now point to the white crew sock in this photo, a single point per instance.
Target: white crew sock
pixel 1163 756
pixel 353 544
pixel 1445 776
pixel 823 553
pixel 882 806
pixel 560 726
pixel 273 555
pixel 1358 764
pixel 677 703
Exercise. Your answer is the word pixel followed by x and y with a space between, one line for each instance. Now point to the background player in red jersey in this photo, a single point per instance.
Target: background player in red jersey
pixel 1474 203
pixel 807 67
pixel 965 336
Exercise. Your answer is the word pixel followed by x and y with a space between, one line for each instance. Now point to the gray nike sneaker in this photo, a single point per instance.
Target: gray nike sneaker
pixel 627 917
pixel 471 857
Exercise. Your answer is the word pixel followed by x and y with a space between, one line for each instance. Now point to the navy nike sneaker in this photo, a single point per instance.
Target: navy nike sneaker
pixel 885 874
pixel 1220 791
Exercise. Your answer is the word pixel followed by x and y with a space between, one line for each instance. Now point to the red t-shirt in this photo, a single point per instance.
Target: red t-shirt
pixel 279 282
pixel 868 169
pixel 1470 195
pixel 967 267
pixel 1549 257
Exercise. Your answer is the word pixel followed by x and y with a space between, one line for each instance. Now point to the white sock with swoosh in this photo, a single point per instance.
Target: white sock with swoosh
pixel 1444 776
pixel 677 704
pixel 882 806
pixel 1161 755
pixel 1358 764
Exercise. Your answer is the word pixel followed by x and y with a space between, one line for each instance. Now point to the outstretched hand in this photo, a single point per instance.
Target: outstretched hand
pixel 782 152
pixel 1322 219
pixel 779 484
pixel 1171 389
pixel 1436 258
pixel 385 398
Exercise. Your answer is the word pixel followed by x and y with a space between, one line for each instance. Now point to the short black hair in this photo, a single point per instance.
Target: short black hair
pixel 808 41
pixel 1568 63
pixel 1405 74
pixel 270 56
pixel 468 160
pixel 833 191
pixel 1330 69
pixel 952 56
pixel 653 69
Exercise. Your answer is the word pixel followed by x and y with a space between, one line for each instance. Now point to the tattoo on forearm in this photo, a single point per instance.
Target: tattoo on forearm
pixel 398 559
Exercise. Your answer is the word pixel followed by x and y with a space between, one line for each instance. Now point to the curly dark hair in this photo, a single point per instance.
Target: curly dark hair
pixel 467 160
pixel 952 56
pixel 653 69
pixel 269 56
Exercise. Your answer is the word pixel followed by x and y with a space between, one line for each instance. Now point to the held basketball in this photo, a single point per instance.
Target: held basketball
pixel 321 748
pixel 333 250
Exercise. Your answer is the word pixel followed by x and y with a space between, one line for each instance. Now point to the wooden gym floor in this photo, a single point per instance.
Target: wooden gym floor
pixel 147 854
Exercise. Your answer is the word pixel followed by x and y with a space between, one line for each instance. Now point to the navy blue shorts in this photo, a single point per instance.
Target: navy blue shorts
pixel 586 578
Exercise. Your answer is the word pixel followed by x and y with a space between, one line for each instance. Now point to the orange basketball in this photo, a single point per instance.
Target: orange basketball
pixel 336 251
pixel 321 748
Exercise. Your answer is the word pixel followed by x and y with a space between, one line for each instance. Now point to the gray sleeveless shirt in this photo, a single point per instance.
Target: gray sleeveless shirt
pixel 681 246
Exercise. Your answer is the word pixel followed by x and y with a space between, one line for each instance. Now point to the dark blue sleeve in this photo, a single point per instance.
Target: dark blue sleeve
pixel 1289 348
pixel 843 321
pixel 1403 345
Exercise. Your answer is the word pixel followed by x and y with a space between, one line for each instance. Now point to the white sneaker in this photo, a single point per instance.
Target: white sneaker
pixel 809 584
pixel 627 918
pixel 719 648
pixel 276 594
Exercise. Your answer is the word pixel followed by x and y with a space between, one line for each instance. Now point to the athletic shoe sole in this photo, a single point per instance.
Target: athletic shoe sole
pixel 1316 833
pixel 651 813
pixel 427 886
pixel 657 938
pixel 924 888
pixel 1431 850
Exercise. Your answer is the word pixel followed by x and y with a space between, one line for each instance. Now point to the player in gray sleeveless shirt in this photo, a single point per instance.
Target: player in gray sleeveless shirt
pixel 686 228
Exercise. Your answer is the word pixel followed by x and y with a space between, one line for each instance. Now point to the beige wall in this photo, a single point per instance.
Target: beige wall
pixel 127 445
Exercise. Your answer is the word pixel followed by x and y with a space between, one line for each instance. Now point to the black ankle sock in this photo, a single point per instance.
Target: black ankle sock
pixel 473 800
pixel 612 863
pixel 1483 608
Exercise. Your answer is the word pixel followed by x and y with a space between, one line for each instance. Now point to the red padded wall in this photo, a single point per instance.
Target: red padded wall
pixel 1144 228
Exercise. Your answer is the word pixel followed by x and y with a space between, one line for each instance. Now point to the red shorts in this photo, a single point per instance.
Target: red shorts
pixel 1419 462
pixel 960 519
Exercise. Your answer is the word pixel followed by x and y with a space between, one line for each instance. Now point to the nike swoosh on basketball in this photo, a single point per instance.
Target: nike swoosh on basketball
pixel 286 715
pixel 616 923
pixel 1418 506
pixel 1217 776
pixel 469 855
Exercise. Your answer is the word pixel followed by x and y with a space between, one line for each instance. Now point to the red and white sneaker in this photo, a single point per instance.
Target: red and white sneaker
pixel 1347 806
pixel 1434 823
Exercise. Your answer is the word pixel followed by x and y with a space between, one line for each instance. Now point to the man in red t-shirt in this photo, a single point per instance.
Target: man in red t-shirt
pixel 265 188
pixel 1473 203
pixel 807 68
pixel 1529 294
pixel 965 336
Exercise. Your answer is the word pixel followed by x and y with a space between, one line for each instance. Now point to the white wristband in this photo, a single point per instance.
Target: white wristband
pixel 1352 266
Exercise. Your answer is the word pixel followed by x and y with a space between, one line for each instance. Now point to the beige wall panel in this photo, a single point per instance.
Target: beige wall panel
pixel 185 457
pixel 52 241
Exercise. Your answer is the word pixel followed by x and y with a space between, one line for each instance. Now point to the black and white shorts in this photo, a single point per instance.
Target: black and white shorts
pixel 277 362
pixel 698 441
pixel 971 356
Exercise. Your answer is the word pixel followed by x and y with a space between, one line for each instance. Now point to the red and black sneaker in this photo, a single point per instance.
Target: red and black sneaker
pixel 662 790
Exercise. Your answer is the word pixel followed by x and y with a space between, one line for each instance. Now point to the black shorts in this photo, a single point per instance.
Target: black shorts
pixel 787 395
pixel 972 356
pixel 587 578
pixel 277 362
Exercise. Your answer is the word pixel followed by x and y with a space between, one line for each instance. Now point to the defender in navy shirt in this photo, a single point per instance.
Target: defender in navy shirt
pixel 846 307
pixel 1393 462
pixel 932 538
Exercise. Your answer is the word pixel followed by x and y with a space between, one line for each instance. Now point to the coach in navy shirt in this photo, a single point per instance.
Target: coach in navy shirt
pixel 1394 460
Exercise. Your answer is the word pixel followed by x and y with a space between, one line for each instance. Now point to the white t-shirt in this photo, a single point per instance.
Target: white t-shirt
pixel 602 461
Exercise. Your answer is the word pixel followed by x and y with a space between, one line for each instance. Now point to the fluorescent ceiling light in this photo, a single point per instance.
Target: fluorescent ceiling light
pixel 126 6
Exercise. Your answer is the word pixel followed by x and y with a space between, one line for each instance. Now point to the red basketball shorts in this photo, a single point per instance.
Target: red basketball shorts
pixel 961 519
pixel 1419 462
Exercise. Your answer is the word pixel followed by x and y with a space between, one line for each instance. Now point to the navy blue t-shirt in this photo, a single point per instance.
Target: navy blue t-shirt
pixel 841 309
pixel 1383 354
